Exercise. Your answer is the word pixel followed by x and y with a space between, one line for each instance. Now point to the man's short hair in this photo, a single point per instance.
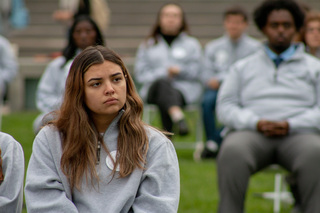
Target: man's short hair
pixel 262 12
pixel 236 10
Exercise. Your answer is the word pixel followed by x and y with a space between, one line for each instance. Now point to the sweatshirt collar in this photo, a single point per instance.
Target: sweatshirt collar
pixel 116 119
pixel 285 55
pixel 237 41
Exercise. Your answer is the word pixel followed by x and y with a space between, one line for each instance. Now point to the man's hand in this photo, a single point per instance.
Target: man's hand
pixel 273 128
pixel 173 71
pixel 213 83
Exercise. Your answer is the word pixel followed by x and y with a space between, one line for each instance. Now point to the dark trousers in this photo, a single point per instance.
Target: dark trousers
pixel 164 95
pixel 244 153
pixel 209 116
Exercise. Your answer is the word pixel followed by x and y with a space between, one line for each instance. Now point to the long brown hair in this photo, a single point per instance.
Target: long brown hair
pixel 79 135
pixel 156 29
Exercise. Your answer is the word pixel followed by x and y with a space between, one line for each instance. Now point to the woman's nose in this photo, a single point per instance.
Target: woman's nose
pixel 109 89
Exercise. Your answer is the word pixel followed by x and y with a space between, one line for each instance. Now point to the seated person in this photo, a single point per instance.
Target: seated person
pixel 11 174
pixel 219 54
pixel 98 156
pixel 168 65
pixel 269 104
pixel 8 67
pixel 310 34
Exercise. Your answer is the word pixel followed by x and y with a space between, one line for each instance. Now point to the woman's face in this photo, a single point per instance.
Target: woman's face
pixel 105 90
pixel 84 34
pixel 170 20
pixel 312 35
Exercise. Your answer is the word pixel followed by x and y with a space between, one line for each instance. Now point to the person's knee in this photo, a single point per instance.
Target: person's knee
pixel 237 151
pixel 209 100
pixel 309 157
pixel 230 150
pixel 231 154
pixel 208 104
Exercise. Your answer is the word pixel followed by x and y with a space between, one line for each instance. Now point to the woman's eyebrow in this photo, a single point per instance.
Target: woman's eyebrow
pixel 94 79
pixel 115 74
pixel 97 79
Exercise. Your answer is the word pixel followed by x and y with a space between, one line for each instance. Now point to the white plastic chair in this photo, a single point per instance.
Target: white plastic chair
pixel 280 192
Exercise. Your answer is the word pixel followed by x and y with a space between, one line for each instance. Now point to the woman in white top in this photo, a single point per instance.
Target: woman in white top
pixel 168 65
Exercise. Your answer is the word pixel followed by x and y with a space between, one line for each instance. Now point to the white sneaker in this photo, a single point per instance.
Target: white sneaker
pixel 197 152
pixel 212 146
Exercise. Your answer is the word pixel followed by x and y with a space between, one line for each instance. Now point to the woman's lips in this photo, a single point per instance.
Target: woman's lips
pixel 111 101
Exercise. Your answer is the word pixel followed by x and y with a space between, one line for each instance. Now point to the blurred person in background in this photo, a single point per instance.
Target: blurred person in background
pixel 11 174
pixel 310 34
pixel 270 106
pixel 13 14
pixel 219 55
pixel 98 10
pixel 168 65
pixel 8 68
pixel 5 10
pixel 83 33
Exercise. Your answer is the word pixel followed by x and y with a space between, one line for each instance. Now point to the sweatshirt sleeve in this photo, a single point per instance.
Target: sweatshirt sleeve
pixel 145 71
pixel 44 190
pixel 11 189
pixel 211 69
pixel 8 62
pixel 192 64
pixel 48 97
pixel 229 109
pixel 160 186
pixel 309 119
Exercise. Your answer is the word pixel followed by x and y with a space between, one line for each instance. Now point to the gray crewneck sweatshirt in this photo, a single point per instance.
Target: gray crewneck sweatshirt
pixel 155 189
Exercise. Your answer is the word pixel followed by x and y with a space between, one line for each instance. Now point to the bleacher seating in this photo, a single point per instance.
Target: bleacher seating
pixel 131 21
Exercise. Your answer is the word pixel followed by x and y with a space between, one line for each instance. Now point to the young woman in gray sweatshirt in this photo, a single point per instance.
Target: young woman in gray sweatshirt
pixel 98 155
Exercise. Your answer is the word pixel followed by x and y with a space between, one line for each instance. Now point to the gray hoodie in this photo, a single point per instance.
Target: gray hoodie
pixel 155 189
pixel 11 189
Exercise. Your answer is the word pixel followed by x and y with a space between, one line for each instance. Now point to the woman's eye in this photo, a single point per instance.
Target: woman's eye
pixel 117 79
pixel 96 84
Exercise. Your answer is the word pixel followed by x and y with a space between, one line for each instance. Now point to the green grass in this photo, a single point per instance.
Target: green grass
pixel 199 191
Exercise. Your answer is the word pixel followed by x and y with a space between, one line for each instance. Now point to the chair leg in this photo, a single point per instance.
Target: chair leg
pixel 199 128
pixel 277 195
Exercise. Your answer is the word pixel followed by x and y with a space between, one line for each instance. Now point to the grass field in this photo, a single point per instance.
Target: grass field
pixel 199 193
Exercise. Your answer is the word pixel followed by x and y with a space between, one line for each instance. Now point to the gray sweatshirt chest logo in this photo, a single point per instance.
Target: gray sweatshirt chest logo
pixel 110 161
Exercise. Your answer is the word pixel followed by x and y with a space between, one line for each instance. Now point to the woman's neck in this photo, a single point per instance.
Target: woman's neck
pixel 169 38
pixel 313 50
pixel 102 123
